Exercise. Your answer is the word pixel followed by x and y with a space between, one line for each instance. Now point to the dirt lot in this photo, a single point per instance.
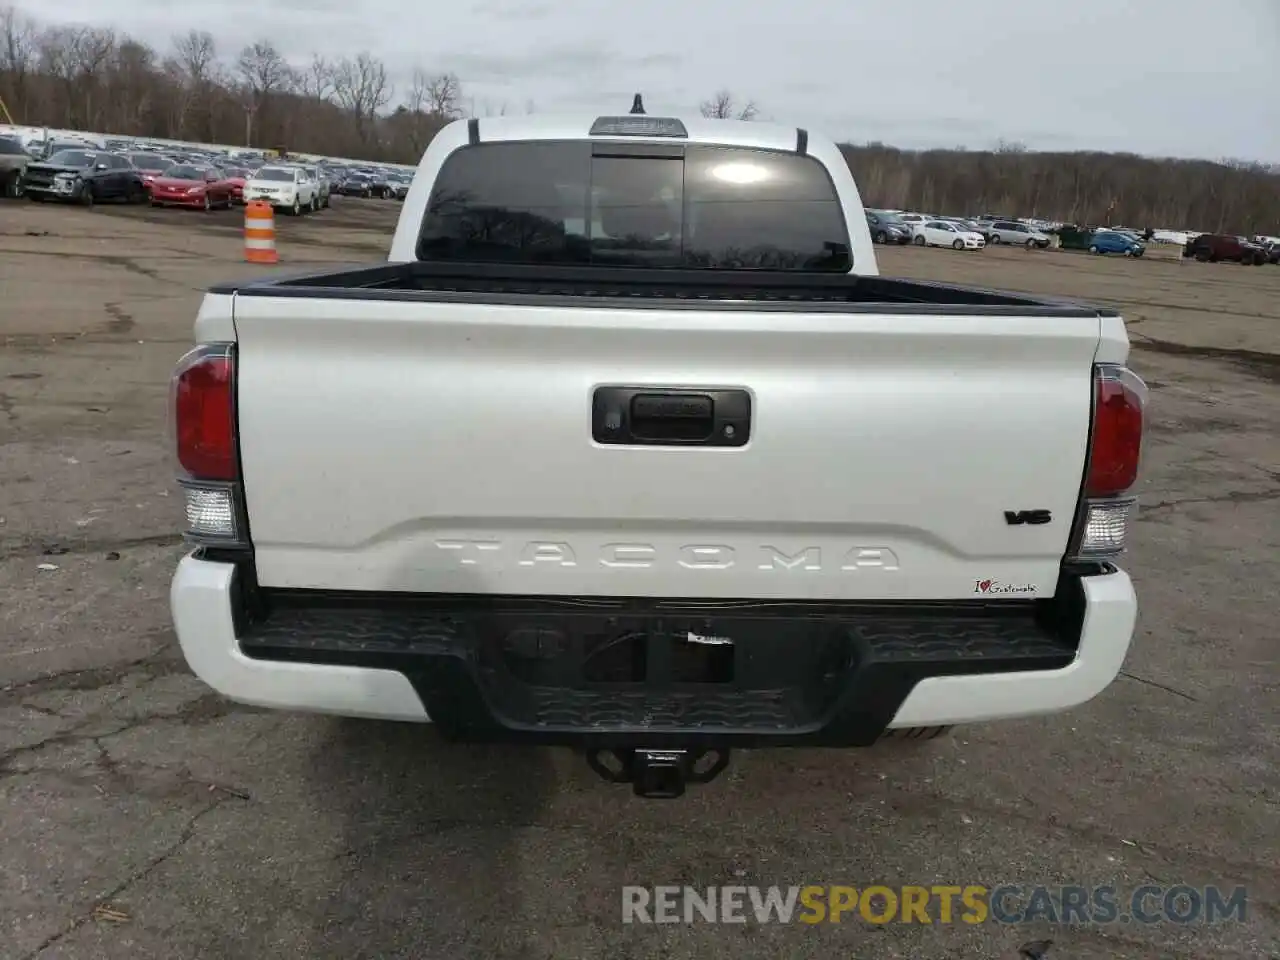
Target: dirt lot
pixel 143 816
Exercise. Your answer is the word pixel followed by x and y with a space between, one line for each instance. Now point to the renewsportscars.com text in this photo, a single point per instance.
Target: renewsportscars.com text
pixel 970 904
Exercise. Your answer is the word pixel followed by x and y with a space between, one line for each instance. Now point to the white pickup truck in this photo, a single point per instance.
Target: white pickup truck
pixel 629 447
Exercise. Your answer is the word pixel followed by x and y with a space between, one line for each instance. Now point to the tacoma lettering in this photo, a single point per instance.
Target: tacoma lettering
pixel 693 556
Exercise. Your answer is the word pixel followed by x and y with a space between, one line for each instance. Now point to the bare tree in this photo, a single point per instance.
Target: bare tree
pixel 264 73
pixel 194 63
pixel 362 89
pixel 17 59
pixel 93 49
pixel 316 79
pixel 197 53
pixel 263 68
pixel 57 58
pixel 723 106
pixel 443 91
pixel 431 101
pixel 131 87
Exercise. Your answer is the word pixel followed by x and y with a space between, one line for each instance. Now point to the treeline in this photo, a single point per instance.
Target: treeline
pixel 1083 188
pixel 87 78
pixel 99 80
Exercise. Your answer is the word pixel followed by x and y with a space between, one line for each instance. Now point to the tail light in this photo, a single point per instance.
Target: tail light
pixel 1115 453
pixel 203 399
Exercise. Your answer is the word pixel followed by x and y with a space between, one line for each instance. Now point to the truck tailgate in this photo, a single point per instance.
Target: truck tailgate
pixel 447 448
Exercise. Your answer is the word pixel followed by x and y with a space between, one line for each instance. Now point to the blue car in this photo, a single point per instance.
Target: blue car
pixel 1109 241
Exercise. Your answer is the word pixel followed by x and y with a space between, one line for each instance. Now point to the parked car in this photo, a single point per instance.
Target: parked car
pixel 323 185
pixel 943 233
pixel 285 188
pixel 887 227
pixel 1073 237
pixel 14 160
pixel 915 220
pixel 355 185
pixel 1213 247
pixel 149 165
pixel 1012 232
pixel 399 183
pixel 190 185
pixel 380 185
pixel 1113 241
pixel 1273 252
pixel 49 148
pixel 85 177
pixel 236 177
pixel 929 568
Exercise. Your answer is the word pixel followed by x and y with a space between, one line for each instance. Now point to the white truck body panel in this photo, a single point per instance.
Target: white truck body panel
pixel 447 447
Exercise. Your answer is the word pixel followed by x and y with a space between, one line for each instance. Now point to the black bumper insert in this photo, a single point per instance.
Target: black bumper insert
pixel 653 674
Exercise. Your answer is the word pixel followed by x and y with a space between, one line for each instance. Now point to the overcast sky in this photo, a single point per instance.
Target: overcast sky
pixel 1176 77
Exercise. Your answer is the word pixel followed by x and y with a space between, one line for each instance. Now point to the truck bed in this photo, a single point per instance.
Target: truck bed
pixel 521 284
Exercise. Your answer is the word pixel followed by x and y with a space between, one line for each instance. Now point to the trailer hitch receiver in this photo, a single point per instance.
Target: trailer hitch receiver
pixel 658 774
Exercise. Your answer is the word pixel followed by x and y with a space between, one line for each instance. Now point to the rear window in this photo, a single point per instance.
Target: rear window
pixel 11 147
pixel 701 207
pixel 72 158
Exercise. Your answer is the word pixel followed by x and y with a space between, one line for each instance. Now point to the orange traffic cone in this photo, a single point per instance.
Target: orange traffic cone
pixel 259 233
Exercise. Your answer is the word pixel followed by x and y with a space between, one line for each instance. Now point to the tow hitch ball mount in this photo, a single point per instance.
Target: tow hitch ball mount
pixel 658 774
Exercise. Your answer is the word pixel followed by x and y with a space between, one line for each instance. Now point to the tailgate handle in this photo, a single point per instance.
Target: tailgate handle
pixel 679 417
pixel 643 416
pixel 670 406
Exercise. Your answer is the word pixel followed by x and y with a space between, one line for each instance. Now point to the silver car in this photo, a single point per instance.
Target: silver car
pixel 1009 231
pixel 323 184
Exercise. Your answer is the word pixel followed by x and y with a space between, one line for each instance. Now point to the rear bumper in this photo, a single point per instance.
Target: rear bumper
pixel 392 660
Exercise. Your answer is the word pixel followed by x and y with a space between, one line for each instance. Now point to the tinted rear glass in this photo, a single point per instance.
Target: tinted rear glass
pixel 719 208
pixel 12 147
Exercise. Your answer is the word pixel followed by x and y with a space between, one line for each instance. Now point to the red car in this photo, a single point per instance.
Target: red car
pixel 236 176
pixel 1213 247
pixel 150 165
pixel 188 185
